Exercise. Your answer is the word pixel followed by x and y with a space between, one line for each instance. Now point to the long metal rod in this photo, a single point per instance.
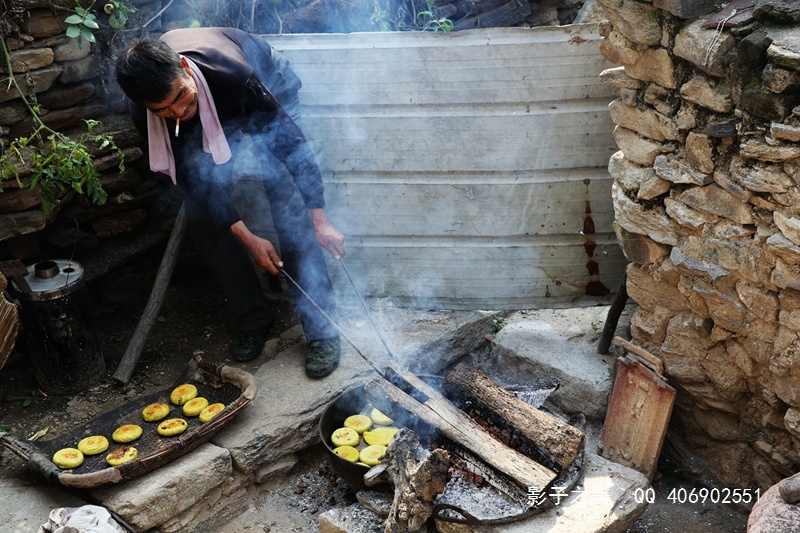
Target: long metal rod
pixel 392 364
pixel 366 312
pixel 332 322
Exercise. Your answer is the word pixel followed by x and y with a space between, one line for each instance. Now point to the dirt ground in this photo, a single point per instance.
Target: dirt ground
pixel 193 319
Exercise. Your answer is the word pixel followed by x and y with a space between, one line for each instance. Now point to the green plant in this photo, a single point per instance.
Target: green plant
pixel 81 23
pixel 430 21
pixel 498 323
pixel 57 162
pixel 26 399
pixel 117 13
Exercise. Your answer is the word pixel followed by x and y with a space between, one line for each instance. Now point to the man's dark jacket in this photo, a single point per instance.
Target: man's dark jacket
pixel 238 68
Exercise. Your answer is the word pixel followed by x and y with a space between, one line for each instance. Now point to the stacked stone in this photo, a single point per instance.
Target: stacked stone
pixel 69 82
pixel 708 213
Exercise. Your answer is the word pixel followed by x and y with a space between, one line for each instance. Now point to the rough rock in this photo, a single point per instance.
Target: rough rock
pixel 651 222
pixel 703 48
pixel 636 20
pixel 529 347
pixel 29 59
pixel 646 122
pixel 654 64
pixel 685 9
pixel 637 149
pixel 702 91
pixel 151 500
pixel 772 514
pixel 626 172
pixel 678 170
pixel 639 248
pixel 686 216
pixel 716 200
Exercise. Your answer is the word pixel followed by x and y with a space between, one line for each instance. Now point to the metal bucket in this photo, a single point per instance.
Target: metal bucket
pixel 59 327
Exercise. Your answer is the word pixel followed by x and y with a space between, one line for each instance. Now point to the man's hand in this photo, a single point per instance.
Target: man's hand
pixel 327 236
pixel 261 250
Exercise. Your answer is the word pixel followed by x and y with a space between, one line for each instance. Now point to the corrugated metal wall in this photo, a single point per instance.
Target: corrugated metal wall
pixel 468 170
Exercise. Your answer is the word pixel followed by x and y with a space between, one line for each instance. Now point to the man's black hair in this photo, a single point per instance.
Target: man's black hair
pixel 146 70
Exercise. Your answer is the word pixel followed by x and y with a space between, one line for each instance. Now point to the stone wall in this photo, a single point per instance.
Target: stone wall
pixel 70 83
pixel 708 213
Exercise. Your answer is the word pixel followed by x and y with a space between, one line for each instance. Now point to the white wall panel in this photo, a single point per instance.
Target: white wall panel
pixel 466 169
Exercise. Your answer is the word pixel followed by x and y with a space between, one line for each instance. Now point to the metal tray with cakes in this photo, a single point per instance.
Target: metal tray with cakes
pixel 217 383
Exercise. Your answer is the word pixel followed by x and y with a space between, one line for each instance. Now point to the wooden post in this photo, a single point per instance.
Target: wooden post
pixel 128 363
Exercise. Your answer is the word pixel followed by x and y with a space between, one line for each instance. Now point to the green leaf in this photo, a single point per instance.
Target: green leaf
pixel 73 31
pixel 90 23
pixel 74 19
pixel 27 402
pixel 87 34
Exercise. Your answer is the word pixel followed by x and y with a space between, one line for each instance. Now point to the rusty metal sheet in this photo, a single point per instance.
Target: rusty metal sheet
pixel 638 414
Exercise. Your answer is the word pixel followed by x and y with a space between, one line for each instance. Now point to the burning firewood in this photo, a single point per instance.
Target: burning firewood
pixel 537 434
pixel 439 413
pixel 418 476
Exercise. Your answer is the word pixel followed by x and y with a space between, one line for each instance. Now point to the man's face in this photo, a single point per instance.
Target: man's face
pixel 181 102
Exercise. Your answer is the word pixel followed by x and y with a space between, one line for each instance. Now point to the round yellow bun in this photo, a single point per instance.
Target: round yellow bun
pixel 211 411
pixel 155 412
pixel 360 423
pixel 127 433
pixel 66 458
pixel 172 427
pixel 380 419
pixel 183 393
pixel 380 436
pixel 345 437
pixel 371 455
pixel 120 455
pixel 93 445
pixel 195 406
pixel 347 452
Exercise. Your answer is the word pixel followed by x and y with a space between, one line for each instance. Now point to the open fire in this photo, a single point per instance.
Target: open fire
pixel 474 453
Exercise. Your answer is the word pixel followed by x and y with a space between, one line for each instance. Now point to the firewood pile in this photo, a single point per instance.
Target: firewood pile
pixel 485 445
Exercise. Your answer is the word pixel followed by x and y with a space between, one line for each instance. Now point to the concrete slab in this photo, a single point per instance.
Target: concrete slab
pixel 26 502
pixel 558 343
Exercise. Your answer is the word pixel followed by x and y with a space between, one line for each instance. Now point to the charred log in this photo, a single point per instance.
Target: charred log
pixel 418 476
pixel 436 411
pixel 523 427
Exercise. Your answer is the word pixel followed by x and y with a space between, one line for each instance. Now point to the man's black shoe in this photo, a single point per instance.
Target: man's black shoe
pixel 322 357
pixel 250 344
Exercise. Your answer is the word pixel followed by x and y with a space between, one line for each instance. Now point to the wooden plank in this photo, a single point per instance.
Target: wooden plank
pixel 459 428
pixel 646 358
pixel 638 414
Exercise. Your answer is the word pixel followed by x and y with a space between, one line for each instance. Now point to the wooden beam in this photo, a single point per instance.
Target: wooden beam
pixel 453 423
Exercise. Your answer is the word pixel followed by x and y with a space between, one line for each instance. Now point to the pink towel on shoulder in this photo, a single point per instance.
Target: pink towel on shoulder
pixel 214 141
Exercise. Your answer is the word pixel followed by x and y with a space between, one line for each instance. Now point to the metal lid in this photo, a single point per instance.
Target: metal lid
pixel 51 279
